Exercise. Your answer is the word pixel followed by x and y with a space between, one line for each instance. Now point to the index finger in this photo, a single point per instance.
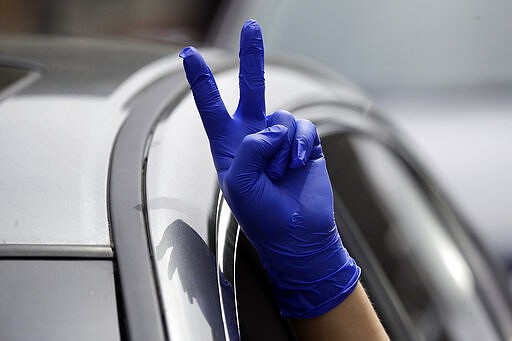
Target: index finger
pixel 206 94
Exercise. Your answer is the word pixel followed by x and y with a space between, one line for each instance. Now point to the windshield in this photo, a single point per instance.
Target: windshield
pixel 418 43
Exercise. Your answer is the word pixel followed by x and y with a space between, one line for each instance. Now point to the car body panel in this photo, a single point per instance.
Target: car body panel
pixel 72 300
pixel 56 136
pixel 181 192
pixel 81 66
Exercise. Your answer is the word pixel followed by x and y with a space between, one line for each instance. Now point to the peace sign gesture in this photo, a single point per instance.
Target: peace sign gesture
pixel 273 175
pixel 224 131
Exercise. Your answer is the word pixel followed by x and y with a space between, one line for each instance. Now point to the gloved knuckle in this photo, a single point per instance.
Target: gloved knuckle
pixel 250 142
pixel 305 123
pixel 283 114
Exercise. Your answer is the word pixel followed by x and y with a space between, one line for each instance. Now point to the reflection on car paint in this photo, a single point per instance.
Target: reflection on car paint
pixel 191 260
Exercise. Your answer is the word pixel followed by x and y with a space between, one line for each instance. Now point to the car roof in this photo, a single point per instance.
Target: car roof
pixel 58 125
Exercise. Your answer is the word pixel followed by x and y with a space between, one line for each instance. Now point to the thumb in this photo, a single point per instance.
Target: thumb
pixel 254 153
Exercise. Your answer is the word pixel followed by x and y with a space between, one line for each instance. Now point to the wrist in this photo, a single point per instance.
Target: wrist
pixel 309 285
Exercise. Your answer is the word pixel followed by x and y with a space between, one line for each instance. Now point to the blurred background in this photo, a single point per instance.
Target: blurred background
pixel 160 19
pixel 440 70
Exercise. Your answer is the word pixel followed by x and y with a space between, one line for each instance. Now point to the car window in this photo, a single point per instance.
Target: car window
pixel 10 75
pixel 14 78
pixel 408 237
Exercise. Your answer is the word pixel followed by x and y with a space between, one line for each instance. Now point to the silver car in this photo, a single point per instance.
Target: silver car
pixel 113 226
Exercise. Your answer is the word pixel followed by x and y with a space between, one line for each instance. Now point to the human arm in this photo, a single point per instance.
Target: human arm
pixel 352 319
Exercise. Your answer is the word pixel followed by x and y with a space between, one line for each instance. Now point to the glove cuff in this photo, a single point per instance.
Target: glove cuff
pixel 311 293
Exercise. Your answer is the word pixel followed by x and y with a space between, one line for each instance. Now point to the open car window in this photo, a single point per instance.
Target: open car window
pixel 407 238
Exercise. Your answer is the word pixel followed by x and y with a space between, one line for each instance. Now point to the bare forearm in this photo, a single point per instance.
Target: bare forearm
pixel 353 319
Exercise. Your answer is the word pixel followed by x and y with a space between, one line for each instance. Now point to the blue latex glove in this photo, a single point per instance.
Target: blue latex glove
pixel 273 175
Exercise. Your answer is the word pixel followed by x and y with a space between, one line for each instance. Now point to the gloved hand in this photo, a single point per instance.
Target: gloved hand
pixel 275 181
pixel 225 132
